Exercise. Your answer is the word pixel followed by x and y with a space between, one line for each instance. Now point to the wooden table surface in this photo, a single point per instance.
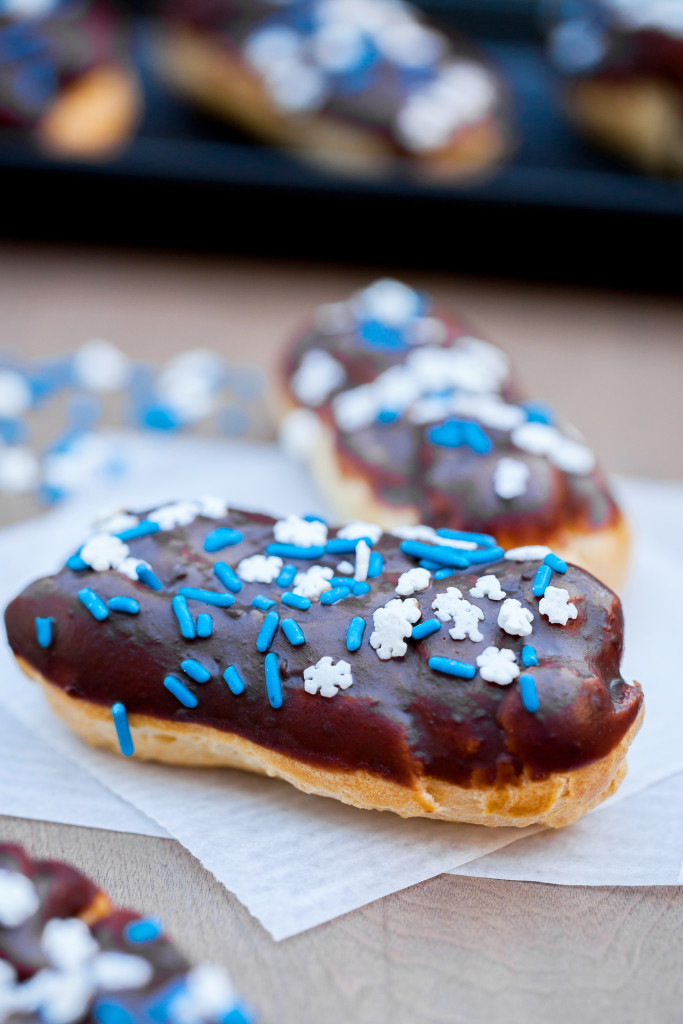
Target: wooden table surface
pixel 449 950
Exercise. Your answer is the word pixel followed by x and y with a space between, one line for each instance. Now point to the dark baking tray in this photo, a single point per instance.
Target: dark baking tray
pixel 557 210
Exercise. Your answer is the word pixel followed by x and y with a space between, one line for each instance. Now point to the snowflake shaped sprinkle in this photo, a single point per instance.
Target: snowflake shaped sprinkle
pixel 555 604
pixel 514 618
pixel 497 665
pixel 510 478
pixel 317 377
pixel 393 623
pixel 180 513
pixel 305 534
pixel 260 568
pixel 313 582
pixel 211 507
pixel 413 580
pixel 327 678
pixel 103 552
pixel 352 531
pixel 345 568
pixel 488 586
pixel 465 616
pixel 18 898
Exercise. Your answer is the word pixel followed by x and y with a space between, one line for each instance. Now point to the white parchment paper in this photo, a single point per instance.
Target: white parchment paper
pixel 297 861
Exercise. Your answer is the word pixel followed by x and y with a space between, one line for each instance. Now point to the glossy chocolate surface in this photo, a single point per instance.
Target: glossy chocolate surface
pixel 451 487
pixel 399 719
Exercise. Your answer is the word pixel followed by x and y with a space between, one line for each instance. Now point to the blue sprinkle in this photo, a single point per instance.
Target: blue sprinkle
pixel 310 518
pixel 234 680
pixel 93 603
pixel 541 580
pixel 264 603
pixel 292 551
pixel 43 632
pixel 146 576
pixel 195 671
pixel 204 624
pixel 223 537
pixel 118 713
pixel 273 684
pixel 123 604
pixel 476 438
pixel 228 577
pixel 387 415
pixel 267 631
pixel 341 581
pixel 426 628
pixel 380 335
pixel 452 667
pixel 360 587
pixel 141 530
pixel 538 412
pixel 448 434
pixel 529 656
pixel 334 595
pixel 179 690
pixel 182 614
pixel 556 564
pixel 376 565
pixel 294 601
pixel 293 632
pixel 527 688
pixel 143 931
pixel 76 563
pixel 443 574
pixel 424 563
pixel 107 1011
pixel 485 555
pixel 207 596
pixel 484 540
pixel 435 553
pixel 287 575
pixel 345 545
pixel 354 634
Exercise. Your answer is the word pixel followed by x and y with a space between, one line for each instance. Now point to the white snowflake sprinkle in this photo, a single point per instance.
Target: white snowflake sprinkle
pixel 104 552
pixel 544 439
pixel 313 582
pixel 497 665
pixel 357 529
pixel 305 534
pixel 317 376
pixel 514 618
pixel 115 521
pixel 298 433
pixel 207 995
pixel 413 580
pixel 260 568
pixel 18 898
pixel 510 478
pixel 179 513
pixel 362 561
pixel 529 553
pixel 211 507
pixel 488 586
pixel 100 366
pixel 388 301
pixel 327 678
pixel 345 568
pixel 393 623
pixel 15 394
pixel 444 604
pixel 451 606
pixel 555 604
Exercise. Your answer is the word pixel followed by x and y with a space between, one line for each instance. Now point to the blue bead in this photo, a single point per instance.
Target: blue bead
pixel 182 614
pixel 541 580
pixel 227 576
pixel 195 670
pixel 538 412
pixel 354 633
pixel 223 537
pixel 424 563
pixel 204 625
pixel 142 529
pixel 128 605
pixel 234 680
pixel 43 631
pixel 426 628
pixel 293 632
pixel 143 931
pixel 146 576
pixel 379 335
pixel 287 575
pixel 443 574
pixel 485 555
pixel 107 1011
pixel 118 713
pixel 360 587
pixel 344 545
pixel 310 518
pixel 293 551
pixel 375 565
pixel 334 595
pixel 476 438
pixel 263 603
pixel 207 596
pixel 93 603
pixel 435 553
pixel 76 563
pixel 180 692
pixel 387 415
pixel 295 601
pixel 448 434
pixel 527 687
pixel 556 564
pixel 267 631
pixel 529 656
pixel 452 668
pixel 273 683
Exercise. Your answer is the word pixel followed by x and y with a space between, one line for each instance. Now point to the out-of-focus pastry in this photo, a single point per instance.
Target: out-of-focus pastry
pixel 623 67
pixel 65 76
pixel 347 83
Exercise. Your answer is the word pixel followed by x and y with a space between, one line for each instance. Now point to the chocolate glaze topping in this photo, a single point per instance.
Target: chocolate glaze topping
pixel 399 718
pixel 447 486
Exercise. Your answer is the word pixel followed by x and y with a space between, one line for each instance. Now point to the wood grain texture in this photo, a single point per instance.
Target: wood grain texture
pixel 449 951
